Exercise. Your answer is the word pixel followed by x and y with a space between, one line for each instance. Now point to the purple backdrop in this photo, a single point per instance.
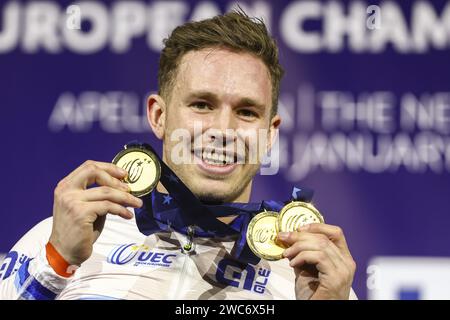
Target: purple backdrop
pixel 61 106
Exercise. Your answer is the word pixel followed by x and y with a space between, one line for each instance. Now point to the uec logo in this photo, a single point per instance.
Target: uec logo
pixel 139 254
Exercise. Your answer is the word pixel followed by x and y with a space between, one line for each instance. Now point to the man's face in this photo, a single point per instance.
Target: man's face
pixel 219 90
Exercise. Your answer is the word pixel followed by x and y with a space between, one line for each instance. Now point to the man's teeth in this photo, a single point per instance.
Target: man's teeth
pixel 216 158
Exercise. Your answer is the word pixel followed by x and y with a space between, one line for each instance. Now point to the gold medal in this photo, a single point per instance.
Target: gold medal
pixel 262 234
pixel 143 167
pixel 296 214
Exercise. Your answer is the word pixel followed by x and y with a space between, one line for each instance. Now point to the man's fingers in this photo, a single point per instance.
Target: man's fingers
pixel 317 258
pixel 102 178
pixel 289 238
pixel 314 243
pixel 101 208
pixel 111 194
pixel 334 233
pixel 92 166
pixel 94 174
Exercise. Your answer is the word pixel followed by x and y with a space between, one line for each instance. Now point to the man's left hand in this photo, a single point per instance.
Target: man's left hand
pixel 323 265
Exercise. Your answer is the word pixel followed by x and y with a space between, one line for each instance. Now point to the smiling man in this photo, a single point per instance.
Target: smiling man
pixel 224 90
pixel 222 73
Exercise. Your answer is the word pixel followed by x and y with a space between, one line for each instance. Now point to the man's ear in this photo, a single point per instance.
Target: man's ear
pixel 273 130
pixel 156 115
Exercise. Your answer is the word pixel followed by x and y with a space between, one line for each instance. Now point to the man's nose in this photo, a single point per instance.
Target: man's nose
pixel 224 125
pixel 225 119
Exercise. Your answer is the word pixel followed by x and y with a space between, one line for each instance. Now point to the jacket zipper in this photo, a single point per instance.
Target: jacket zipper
pixel 187 249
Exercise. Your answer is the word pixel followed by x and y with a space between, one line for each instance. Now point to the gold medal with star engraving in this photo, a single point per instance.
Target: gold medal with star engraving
pixel 262 235
pixel 296 214
pixel 143 167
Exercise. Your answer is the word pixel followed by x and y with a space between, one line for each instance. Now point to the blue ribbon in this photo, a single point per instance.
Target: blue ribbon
pixel 180 209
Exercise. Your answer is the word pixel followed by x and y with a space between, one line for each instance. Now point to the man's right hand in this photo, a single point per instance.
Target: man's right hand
pixel 79 213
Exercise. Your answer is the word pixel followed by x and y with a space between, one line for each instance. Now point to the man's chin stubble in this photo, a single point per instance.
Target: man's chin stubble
pixel 214 199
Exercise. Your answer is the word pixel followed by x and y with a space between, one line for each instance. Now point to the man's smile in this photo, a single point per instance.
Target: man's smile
pixel 216 161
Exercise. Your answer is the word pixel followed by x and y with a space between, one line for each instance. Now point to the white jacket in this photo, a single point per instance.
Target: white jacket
pixel 126 264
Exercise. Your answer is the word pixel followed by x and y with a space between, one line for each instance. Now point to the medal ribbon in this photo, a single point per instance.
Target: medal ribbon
pixel 180 209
